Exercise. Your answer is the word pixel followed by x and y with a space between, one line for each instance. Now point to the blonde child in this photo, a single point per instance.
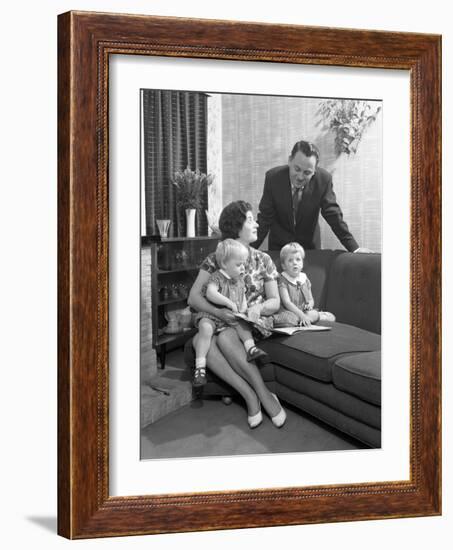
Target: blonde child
pixel 295 291
pixel 225 288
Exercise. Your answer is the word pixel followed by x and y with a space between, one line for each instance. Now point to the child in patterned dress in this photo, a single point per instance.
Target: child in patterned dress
pixel 295 291
pixel 225 288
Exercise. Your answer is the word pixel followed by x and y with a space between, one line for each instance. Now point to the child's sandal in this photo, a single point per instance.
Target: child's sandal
pixel 255 353
pixel 199 377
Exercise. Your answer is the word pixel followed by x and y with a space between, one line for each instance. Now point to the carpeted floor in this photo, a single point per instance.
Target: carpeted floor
pixel 210 428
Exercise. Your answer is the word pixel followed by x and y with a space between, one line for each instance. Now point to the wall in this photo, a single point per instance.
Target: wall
pixel 258 132
pixel 148 361
pixel 214 159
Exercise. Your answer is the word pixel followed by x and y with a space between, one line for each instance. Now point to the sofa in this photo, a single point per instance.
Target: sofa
pixel 334 375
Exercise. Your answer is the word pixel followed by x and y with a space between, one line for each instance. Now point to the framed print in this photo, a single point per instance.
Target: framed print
pixel 153 108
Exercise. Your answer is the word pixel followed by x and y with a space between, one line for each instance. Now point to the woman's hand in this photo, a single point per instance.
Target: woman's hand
pixel 254 313
pixel 233 307
pixel 227 316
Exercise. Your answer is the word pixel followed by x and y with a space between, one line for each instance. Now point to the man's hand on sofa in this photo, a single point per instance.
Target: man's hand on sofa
pixel 363 250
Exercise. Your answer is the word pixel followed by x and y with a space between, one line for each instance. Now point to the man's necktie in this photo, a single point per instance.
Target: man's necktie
pixel 297 196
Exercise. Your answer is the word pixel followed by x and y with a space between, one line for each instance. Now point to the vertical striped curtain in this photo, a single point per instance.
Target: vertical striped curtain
pixel 175 136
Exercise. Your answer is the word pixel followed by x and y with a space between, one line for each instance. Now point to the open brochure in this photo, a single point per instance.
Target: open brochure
pixel 293 330
pixel 258 323
pixel 283 330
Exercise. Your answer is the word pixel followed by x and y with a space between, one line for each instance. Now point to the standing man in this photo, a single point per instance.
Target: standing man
pixel 292 197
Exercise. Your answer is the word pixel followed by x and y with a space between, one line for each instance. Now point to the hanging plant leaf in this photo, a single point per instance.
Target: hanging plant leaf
pixel 348 119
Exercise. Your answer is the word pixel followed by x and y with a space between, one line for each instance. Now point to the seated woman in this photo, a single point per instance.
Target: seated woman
pixel 226 356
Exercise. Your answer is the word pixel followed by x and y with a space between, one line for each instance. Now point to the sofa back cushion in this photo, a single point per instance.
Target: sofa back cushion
pixel 354 290
pixel 317 265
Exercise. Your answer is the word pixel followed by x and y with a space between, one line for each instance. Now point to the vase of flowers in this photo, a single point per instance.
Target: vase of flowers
pixel 190 186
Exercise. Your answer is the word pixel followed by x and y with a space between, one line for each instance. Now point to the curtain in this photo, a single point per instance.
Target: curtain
pixel 175 136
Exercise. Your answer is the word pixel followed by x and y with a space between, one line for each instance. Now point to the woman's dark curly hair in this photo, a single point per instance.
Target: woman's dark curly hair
pixel 232 219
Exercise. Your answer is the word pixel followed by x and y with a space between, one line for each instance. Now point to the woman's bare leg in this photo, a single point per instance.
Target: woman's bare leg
pixel 217 363
pixel 229 344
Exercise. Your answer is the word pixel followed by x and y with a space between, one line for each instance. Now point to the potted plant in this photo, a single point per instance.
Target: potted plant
pixel 190 186
pixel 348 118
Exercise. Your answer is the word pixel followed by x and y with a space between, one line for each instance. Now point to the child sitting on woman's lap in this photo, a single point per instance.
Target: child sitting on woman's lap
pixel 225 288
pixel 295 291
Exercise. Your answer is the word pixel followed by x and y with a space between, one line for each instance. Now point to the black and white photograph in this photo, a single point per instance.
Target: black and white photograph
pixel 260 275
pixel 137 138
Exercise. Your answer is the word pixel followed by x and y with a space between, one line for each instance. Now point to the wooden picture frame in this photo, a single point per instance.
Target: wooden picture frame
pixel 85 41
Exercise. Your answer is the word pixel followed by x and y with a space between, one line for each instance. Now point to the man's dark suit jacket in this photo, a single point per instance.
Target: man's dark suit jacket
pixel 276 211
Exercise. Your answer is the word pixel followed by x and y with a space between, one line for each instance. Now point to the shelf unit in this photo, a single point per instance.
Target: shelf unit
pixel 175 263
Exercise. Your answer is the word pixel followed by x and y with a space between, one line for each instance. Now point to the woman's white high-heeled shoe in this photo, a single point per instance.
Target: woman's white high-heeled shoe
pixel 279 419
pixel 255 420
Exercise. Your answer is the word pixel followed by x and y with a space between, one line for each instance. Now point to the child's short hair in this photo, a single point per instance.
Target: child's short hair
pixel 229 248
pixel 291 248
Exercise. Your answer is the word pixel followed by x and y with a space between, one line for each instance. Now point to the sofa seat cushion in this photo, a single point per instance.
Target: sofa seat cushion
pixel 359 375
pixel 313 353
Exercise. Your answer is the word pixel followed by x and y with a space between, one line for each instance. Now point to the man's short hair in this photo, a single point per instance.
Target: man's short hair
pixel 232 218
pixel 307 148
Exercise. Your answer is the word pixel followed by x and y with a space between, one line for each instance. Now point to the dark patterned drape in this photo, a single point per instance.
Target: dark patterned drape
pixel 175 136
